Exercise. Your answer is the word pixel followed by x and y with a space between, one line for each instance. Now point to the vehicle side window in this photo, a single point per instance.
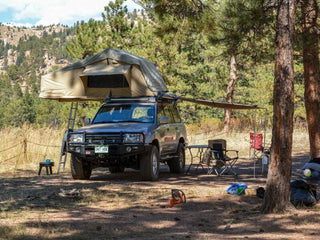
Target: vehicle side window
pixel 176 115
pixel 165 110
pixel 160 112
pixel 168 112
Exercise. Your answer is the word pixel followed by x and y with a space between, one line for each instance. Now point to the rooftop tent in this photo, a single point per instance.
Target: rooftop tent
pixel 111 72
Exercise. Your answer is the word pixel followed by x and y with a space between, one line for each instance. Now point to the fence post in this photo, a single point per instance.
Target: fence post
pixel 25 146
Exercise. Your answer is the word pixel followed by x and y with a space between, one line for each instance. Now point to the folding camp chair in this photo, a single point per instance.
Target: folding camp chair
pixel 256 141
pixel 220 163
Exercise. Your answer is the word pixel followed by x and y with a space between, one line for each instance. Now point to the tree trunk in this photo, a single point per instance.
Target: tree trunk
pixel 279 175
pixel 230 91
pixel 311 73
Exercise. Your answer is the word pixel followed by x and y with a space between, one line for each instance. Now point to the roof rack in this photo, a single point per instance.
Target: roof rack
pixel 127 99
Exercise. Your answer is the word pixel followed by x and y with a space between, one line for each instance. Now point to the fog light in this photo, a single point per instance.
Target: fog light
pixel 128 149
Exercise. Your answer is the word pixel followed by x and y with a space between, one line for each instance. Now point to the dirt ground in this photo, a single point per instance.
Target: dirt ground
pixel 121 206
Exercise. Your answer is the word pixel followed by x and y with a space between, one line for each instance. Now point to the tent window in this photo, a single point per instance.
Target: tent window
pixel 107 81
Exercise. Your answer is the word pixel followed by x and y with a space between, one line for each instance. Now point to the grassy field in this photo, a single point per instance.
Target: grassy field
pixel 23 148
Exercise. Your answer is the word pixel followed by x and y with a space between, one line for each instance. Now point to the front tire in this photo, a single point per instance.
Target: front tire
pixel 80 169
pixel 149 165
pixel 177 163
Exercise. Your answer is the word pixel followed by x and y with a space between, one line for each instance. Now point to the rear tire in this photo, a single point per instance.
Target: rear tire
pixel 149 165
pixel 177 164
pixel 80 169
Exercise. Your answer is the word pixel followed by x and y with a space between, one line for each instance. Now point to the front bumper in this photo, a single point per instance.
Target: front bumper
pixel 114 150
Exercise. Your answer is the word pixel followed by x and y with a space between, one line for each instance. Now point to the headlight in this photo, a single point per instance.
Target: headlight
pixel 133 138
pixel 76 138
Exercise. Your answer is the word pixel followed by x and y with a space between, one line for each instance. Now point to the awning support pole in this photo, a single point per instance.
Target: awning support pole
pixel 254 142
pixel 265 128
pixel 264 138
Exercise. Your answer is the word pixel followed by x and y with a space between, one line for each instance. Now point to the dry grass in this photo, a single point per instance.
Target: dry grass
pixel 241 140
pixel 23 148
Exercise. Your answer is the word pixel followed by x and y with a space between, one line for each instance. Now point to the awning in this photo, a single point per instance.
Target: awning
pixel 221 104
pixel 211 103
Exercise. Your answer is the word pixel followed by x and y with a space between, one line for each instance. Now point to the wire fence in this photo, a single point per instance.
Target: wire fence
pixel 6 160
pixel 43 145
pixel 25 149
pixel 10 147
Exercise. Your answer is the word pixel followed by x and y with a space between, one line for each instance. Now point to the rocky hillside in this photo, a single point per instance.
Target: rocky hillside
pixel 42 45
pixel 12 35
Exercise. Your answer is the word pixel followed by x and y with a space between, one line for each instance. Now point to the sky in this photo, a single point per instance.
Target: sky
pixel 46 12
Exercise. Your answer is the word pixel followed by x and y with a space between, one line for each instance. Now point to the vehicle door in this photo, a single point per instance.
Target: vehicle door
pixel 165 131
pixel 178 127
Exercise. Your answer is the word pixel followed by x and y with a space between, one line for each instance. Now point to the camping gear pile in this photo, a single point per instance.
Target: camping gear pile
pixel 237 189
pixel 305 190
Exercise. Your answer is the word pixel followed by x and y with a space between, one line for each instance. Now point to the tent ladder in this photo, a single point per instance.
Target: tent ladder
pixel 71 122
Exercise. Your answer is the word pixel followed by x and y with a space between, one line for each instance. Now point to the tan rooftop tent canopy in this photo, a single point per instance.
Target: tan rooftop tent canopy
pixel 110 73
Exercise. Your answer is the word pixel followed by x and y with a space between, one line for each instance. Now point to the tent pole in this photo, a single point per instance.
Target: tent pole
pixel 265 128
pixel 264 139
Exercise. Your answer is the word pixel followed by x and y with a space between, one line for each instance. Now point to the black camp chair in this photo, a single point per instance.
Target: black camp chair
pixel 220 163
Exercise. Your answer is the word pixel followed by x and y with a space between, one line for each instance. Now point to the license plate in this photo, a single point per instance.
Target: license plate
pixel 101 149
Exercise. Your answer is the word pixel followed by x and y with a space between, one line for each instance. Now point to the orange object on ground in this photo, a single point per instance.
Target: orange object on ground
pixel 177 197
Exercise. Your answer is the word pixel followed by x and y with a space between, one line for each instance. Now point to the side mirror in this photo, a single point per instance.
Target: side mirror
pixel 87 121
pixel 164 120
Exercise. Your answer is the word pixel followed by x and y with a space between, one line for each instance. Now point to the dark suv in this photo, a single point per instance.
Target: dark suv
pixel 134 133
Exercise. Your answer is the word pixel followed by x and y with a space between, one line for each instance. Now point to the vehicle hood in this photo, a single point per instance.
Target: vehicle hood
pixel 116 127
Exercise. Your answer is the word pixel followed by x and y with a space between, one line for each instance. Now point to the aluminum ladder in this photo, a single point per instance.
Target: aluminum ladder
pixel 71 122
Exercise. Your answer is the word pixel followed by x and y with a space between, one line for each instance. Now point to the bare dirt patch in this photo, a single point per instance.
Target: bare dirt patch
pixel 121 206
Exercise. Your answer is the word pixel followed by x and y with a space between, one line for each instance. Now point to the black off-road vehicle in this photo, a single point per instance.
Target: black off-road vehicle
pixel 136 133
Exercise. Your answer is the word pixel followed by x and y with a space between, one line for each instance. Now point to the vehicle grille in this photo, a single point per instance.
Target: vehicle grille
pixel 103 138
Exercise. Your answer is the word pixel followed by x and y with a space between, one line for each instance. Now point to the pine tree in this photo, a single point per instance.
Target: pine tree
pixel 311 72
pixel 86 42
pixel 278 183
pixel 113 31
pixel 240 27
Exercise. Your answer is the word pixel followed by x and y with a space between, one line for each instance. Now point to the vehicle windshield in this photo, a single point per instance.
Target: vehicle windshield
pixel 125 113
